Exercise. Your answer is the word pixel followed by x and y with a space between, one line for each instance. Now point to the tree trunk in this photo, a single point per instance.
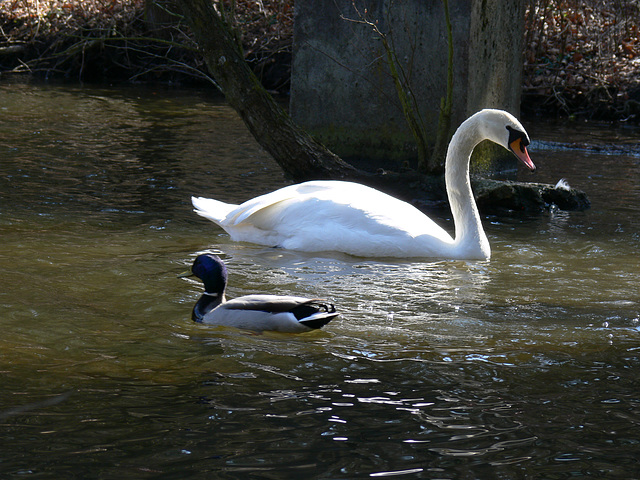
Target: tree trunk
pixel 298 154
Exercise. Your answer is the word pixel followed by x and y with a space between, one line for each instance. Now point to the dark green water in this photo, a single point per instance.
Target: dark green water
pixel 526 366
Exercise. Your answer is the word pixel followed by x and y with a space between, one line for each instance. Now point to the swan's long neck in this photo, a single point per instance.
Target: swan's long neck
pixel 470 239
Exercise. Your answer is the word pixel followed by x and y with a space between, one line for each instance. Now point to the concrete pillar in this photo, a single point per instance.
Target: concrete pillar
pixel 341 89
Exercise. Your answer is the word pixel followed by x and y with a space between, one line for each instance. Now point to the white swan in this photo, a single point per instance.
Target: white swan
pixel 358 220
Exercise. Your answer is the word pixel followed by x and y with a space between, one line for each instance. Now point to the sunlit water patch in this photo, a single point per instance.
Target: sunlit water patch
pixel 521 367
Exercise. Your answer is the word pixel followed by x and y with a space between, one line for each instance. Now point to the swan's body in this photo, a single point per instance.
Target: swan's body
pixel 359 220
pixel 253 312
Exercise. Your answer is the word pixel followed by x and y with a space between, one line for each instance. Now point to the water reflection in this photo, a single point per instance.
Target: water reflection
pixel 521 367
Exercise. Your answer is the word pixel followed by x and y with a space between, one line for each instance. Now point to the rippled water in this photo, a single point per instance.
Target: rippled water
pixel 522 367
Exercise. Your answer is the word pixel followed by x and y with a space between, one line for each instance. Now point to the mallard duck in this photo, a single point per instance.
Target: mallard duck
pixel 359 220
pixel 280 313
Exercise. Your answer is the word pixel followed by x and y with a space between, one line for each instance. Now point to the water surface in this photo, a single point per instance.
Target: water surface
pixel 522 367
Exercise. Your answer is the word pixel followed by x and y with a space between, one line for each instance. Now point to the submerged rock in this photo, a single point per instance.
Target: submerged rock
pixel 428 192
pixel 511 195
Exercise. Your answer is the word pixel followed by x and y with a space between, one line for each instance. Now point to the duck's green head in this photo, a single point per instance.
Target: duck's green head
pixel 212 271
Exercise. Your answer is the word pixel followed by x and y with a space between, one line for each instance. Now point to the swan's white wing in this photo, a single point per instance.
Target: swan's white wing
pixel 272 200
pixel 343 216
pixel 334 215
pixel 316 203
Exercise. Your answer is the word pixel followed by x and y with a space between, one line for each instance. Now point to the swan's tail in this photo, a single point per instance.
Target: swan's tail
pixel 214 210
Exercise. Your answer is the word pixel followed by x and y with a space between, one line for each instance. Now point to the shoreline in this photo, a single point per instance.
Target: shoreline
pixel 570 69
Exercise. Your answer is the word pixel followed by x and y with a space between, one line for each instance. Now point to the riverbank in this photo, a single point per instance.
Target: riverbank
pixel 580 61
pixel 127 41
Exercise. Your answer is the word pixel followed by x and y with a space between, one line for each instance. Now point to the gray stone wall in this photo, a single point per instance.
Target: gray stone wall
pixel 342 91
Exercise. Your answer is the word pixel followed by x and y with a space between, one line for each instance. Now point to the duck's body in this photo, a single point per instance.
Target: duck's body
pixel 359 220
pixel 254 312
pixel 265 312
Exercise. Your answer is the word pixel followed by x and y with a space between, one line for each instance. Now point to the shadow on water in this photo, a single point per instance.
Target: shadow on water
pixel 521 367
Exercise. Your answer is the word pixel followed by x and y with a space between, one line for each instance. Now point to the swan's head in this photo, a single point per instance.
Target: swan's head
pixel 504 129
pixel 211 270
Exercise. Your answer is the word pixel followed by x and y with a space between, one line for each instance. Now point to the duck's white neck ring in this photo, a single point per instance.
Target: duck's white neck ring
pixel 211 294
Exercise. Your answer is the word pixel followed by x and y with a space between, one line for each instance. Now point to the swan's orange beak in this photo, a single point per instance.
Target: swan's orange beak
pixel 520 151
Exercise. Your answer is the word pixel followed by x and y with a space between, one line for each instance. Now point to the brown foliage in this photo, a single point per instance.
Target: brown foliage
pixel 133 40
pixel 583 58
